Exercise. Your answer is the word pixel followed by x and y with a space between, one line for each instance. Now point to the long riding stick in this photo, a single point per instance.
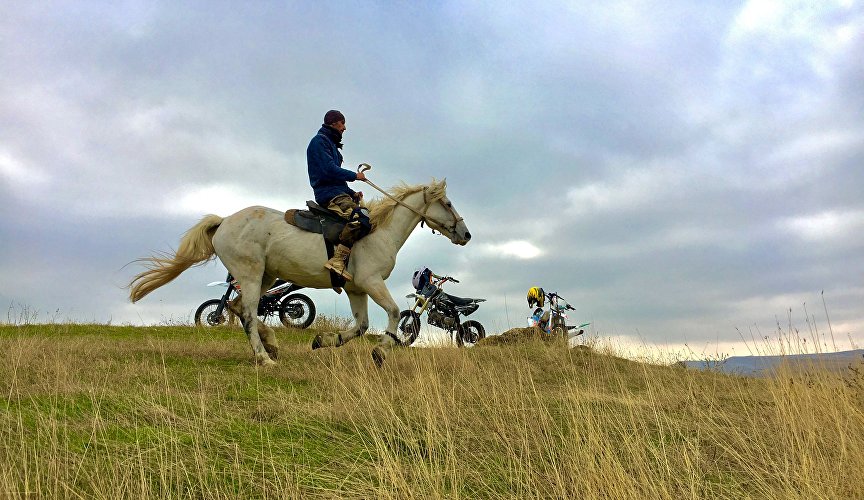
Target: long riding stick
pixel 363 167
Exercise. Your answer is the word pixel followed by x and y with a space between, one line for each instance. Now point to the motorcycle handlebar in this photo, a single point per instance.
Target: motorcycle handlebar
pixel 451 278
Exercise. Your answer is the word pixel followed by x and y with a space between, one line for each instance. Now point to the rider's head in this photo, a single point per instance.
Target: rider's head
pixel 335 119
pixel 536 296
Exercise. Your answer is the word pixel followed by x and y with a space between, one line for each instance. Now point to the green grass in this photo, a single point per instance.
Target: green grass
pixel 99 411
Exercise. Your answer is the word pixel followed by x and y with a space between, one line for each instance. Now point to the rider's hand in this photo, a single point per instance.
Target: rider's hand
pixel 361 176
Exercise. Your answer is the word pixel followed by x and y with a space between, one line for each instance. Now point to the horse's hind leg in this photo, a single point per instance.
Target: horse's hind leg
pixel 268 339
pixel 268 336
pixel 249 300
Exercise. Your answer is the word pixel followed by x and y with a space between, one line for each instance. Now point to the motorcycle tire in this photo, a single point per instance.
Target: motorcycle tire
pixel 206 315
pixel 408 328
pixel 297 311
pixel 470 332
pixel 558 328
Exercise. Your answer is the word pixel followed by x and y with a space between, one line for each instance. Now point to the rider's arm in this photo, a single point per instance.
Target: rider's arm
pixel 320 159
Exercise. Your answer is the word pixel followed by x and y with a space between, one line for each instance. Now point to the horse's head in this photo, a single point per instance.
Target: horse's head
pixel 441 216
pixel 430 203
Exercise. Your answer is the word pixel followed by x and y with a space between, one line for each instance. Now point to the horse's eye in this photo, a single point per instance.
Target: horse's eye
pixel 449 205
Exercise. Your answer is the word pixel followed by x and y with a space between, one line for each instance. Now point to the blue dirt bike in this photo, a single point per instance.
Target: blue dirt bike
pixel 554 321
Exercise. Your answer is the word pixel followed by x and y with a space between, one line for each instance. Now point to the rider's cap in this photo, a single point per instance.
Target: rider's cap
pixel 333 116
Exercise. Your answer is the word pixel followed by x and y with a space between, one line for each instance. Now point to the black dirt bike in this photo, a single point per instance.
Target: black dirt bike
pixel 294 311
pixel 443 310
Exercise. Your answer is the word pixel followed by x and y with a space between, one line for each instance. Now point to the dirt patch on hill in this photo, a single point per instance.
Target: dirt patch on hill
pixel 518 336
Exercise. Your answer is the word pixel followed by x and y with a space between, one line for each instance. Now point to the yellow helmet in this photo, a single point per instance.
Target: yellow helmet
pixel 536 295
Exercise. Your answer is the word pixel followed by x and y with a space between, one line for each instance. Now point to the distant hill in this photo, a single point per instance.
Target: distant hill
pixel 765 365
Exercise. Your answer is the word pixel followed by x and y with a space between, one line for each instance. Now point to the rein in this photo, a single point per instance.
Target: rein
pixel 363 167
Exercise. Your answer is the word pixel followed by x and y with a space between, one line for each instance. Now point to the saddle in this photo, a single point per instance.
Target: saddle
pixel 317 220
pixel 324 222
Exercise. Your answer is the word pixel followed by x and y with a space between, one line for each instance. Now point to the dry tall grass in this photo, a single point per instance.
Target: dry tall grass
pixel 177 412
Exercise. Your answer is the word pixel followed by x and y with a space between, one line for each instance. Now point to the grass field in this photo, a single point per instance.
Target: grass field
pixel 93 411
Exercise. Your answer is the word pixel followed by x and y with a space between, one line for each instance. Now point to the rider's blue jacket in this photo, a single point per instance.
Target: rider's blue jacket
pixel 324 160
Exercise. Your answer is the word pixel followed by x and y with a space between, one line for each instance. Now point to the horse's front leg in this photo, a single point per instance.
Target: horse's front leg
pixel 360 311
pixel 381 295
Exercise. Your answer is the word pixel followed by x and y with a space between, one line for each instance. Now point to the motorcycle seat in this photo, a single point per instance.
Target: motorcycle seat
pixel 459 301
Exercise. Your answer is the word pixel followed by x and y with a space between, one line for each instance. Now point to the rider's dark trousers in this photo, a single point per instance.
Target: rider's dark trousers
pixel 358 224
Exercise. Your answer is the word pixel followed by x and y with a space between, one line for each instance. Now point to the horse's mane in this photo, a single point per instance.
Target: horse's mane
pixel 381 209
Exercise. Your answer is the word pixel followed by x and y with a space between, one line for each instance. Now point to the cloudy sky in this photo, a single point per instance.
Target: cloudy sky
pixel 682 172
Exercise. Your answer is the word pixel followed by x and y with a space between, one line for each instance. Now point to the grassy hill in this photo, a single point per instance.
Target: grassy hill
pixel 128 412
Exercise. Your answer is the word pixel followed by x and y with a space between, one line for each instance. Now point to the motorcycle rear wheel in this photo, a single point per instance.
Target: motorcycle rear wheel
pixel 297 311
pixel 470 332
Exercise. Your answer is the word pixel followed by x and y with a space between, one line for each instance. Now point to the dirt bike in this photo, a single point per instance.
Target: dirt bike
pixel 443 310
pixel 554 321
pixel 294 311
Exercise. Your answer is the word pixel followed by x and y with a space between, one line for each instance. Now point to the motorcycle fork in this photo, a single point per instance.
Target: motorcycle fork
pixel 224 302
pixel 420 300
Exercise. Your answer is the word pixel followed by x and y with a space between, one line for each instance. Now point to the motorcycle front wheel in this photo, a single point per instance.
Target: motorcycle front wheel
pixel 408 327
pixel 206 314
pixel 297 311
pixel 558 328
pixel 470 332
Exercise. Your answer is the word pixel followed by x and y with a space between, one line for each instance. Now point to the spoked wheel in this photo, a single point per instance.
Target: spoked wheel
pixel 559 329
pixel 271 319
pixel 297 311
pixel 207 316
pixel 470 332
pixel 408 328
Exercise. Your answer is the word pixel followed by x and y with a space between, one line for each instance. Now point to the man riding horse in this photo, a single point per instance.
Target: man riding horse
pixel 330 183
pixel 257 246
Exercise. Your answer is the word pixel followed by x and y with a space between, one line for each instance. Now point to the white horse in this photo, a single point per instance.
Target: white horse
pixel 257 246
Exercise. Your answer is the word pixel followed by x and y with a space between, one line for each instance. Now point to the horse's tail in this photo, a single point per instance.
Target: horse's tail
pixel 196 248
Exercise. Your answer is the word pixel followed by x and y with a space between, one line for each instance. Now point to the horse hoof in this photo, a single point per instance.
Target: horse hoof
pixel 272 351
pixel 317 342
pixel 378 356
pixel 266 361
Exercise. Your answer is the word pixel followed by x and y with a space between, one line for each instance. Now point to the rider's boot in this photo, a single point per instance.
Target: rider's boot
pixel 337 262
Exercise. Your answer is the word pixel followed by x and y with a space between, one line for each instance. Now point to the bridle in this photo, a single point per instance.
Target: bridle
pixel 424 217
